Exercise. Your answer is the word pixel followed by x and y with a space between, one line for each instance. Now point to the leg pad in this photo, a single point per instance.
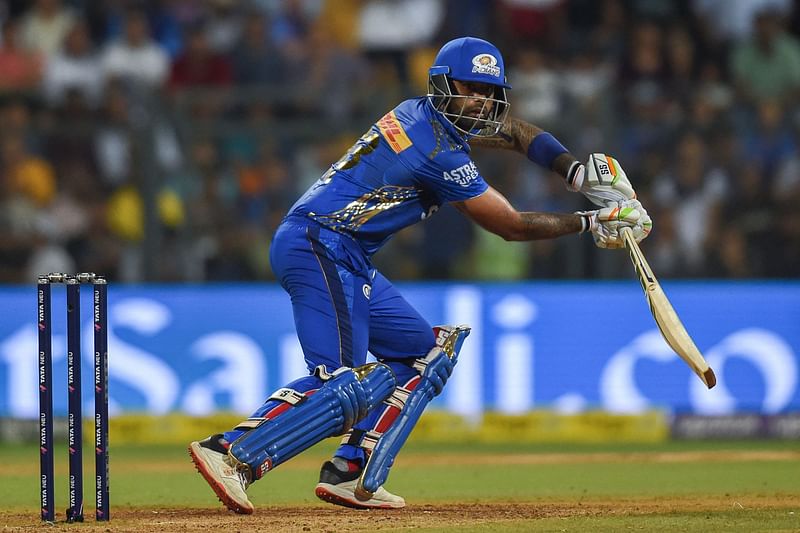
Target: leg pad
pixel 434 369
pixel 340 402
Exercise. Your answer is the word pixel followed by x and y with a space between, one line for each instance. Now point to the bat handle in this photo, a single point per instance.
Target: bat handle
pixel 627 236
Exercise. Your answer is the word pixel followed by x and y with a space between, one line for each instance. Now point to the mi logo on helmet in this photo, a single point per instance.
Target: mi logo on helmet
pixel 485 64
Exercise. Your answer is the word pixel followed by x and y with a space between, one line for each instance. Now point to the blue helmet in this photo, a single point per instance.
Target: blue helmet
pixel 469 59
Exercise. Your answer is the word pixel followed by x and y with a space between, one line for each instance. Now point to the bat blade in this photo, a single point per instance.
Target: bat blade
pixel 666 318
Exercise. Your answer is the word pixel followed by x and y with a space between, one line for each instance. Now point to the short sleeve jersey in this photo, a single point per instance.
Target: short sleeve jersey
pixel 399 172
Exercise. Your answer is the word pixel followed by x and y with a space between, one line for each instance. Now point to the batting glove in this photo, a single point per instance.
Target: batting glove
pixel 601 180
pixel 606 223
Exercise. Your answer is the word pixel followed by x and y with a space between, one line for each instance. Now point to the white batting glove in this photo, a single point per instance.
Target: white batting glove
pixel 606 223
pixel 601 180
pixel 643 225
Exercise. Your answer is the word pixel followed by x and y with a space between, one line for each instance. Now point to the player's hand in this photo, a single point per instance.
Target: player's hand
pixel 601 180
pixel 643 225
pixel 606 223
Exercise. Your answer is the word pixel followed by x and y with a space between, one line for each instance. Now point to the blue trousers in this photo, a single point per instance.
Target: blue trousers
pixel 343 307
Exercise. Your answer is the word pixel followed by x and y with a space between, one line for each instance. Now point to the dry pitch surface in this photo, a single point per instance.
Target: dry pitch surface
pixel 528 514
pixel 448 517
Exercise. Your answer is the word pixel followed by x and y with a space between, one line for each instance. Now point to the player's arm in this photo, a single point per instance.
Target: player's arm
pixel 601 179
pixel 492 211
pixel 518 136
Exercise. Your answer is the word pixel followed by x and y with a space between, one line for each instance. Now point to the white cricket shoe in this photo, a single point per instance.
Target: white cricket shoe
pixel 211 460
pixel 338 487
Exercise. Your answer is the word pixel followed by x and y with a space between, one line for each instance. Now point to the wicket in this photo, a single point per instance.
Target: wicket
pixel 74 393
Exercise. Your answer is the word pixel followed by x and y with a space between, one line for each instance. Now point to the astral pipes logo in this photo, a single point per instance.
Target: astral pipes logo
pixel 463 175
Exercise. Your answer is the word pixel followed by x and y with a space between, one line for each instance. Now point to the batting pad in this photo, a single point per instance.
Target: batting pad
pixel 435 369
pixel 339 403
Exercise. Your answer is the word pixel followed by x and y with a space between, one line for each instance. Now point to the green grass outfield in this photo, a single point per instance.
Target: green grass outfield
pixel 709 486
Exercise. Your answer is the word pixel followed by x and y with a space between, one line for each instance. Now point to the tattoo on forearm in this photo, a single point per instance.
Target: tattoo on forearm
pixel 515 135
pixel 549 225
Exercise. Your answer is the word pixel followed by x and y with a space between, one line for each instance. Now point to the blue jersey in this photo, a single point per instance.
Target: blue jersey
pixel 407 165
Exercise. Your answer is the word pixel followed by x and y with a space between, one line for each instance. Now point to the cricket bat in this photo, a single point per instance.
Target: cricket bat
pixel 667 320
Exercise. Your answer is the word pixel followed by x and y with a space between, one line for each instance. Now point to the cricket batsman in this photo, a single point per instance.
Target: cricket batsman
pixel 413 160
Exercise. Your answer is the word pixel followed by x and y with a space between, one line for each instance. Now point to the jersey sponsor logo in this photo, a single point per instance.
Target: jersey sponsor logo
pixel 485 64
pixel 463 175
pixel 393 132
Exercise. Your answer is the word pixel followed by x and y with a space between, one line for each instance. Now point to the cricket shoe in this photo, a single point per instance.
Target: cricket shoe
pixel 210 457
pixel 337 484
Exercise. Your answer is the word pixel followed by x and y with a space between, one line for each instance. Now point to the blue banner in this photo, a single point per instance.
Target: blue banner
pixel 566 346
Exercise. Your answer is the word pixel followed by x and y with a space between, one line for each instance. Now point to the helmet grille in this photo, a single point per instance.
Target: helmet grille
pixel 493 113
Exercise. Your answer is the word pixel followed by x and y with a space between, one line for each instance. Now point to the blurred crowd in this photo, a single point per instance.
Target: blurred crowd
pixel 164 140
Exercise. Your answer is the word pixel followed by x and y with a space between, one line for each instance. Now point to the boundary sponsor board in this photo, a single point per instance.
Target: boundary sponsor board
pixel 570 347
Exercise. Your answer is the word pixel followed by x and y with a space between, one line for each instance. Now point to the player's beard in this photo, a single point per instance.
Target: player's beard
pixel 471 123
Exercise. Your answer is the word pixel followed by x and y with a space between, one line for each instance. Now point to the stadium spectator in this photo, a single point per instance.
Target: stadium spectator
pixel 257 61
pixel 308 75
pixel 28 177
pixel 531 21
pixel 384 41
pixel 119 139
pixel 21 69
pixel 209 191
pixel 69 143
pixel 681 61
pixel 199 65
pixel 75 67
pixel 224 25
pixel 694 189
pixel 27 188
pixel 45 26
pixel 135 58
pixel 767 66
pixel 335 71
pixel 746 230
pixel 731 20
pixel 537 94
pixel 112 142
pixel 292 20
pixel 264 188
pixel 606 33
pixel 771 142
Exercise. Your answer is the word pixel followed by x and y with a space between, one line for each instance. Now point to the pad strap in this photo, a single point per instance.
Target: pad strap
pixel 362 438
pixel 367 439
pixel 290 396
pixel 287 396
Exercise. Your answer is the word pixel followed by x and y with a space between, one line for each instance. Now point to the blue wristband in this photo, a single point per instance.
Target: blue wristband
pixel 544 149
